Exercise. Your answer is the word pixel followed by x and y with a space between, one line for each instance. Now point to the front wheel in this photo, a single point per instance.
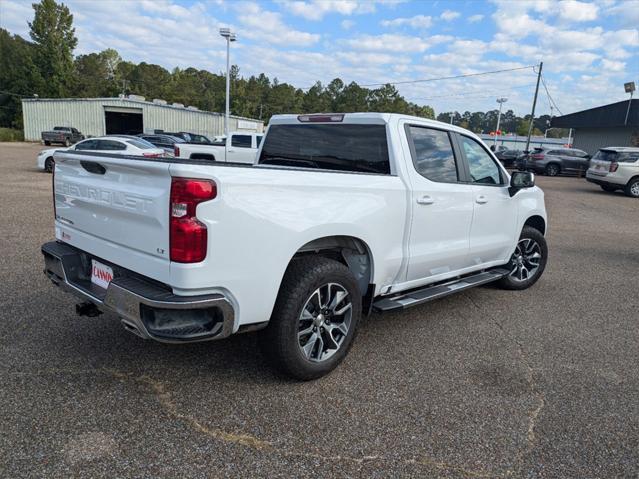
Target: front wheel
pixel 528 262
pixel 632 188
pixel 314 320
pixel 552 170
pixel 48 165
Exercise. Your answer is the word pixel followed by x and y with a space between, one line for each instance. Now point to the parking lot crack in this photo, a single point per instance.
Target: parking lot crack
pixel 533 414
pixel 166 401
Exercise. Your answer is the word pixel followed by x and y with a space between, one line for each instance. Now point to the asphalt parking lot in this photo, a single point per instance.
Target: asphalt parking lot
pixel 489 383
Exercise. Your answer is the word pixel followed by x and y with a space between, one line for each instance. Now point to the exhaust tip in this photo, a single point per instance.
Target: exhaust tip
pixel 132 328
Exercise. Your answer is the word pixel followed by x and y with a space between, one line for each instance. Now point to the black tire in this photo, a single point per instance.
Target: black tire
pixel 609 189
pixel 632 188
pixel 48 165
pixel 553 169
pixel 280 340
pixel 511 281
pixel 48 143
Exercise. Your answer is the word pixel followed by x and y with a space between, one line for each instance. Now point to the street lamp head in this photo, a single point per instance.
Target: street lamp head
pixel 502 100
pixel 228 34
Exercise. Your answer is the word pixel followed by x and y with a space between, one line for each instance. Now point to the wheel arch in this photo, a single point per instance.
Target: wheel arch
pixel 537 222
pixel 635 177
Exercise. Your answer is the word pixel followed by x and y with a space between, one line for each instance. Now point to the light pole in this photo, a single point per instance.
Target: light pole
pixel 230 37
pixel 501 101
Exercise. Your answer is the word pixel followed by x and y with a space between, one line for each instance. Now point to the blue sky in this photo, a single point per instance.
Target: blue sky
pixel 589 49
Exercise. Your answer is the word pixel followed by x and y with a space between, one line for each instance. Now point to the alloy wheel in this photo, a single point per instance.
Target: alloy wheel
pixel 324 322
pixel 634 189
pixel 525 260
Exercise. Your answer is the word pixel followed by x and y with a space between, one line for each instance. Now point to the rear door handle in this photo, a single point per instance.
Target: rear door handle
pixel 425 200
pixel 481 199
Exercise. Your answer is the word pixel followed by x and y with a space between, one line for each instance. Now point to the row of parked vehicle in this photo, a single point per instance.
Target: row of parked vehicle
pixel 613 168
pixel 240 147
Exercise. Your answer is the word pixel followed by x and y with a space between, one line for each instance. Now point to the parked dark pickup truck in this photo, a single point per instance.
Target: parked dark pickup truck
pixel 62 134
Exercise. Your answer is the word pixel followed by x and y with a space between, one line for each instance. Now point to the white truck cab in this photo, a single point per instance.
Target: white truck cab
pixel 239 147
pixel 339 215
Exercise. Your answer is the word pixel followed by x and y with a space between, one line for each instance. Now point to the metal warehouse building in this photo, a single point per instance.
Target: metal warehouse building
pixel 616 124
pixel 126 115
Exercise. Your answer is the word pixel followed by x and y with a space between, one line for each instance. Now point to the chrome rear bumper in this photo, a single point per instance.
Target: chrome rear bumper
pixel 146 307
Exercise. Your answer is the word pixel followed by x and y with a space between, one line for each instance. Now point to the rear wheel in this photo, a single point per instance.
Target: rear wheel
pixel 552 169
pixel 528 262
pixel 314 320
pixel 48 165
pixel 607 188
pixel 632 188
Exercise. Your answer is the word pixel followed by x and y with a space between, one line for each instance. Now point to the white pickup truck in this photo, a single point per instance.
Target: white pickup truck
pixel 341 215
pixel 238 147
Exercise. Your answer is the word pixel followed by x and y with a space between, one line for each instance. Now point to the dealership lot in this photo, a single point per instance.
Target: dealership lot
pixel 489 383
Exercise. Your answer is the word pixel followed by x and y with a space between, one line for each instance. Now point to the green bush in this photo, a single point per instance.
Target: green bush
pixel 11 134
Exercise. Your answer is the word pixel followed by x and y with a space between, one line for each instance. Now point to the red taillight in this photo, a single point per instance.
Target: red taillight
pixel 188 236
pixel 613 166
pixel 176 151
pixel 537 157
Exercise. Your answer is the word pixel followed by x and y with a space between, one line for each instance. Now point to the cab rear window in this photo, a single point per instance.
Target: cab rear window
pixel 343 147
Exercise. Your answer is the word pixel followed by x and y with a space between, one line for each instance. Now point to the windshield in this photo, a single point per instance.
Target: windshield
pixel 342 147
pixel 61 128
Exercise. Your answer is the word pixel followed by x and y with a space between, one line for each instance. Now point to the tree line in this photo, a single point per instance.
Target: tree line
pixel 46 67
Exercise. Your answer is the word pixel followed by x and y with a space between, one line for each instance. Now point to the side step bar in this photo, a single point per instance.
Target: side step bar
pixel 423 295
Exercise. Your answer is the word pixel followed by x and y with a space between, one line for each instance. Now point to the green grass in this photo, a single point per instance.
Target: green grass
pixel 11 134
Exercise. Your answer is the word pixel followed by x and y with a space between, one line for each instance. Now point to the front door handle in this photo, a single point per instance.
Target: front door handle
pixel 481 199
pixel 425 200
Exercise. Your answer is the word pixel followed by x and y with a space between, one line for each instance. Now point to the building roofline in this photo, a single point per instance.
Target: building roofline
pixel 132 100
pixel 604 116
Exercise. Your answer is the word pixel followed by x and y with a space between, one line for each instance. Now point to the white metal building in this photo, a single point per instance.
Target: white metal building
pixel 126 115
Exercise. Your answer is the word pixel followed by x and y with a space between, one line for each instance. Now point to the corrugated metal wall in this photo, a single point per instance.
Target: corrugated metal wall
pixel 591 139
pixel 87 115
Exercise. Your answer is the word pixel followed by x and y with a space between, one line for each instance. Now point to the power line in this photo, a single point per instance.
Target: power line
pixel 550 97
pixel 484 94
pixel 405 82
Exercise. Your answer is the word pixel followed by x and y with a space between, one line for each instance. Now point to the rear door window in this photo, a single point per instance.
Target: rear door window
pixel 110 145
pixel 432 153
pixel 241 141
pixel 340 147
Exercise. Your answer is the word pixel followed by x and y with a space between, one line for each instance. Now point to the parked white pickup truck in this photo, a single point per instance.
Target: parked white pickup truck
pixel 342 214
pixel 239 147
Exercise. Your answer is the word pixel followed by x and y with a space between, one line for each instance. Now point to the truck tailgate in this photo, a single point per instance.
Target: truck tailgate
pixel 116 208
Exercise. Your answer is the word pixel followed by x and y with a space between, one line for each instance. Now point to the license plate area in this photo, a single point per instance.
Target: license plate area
pixel 101 274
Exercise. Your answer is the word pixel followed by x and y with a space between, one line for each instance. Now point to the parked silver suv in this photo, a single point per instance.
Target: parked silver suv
pixel 616 168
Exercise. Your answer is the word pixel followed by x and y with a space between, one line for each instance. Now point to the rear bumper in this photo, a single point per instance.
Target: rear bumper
pixel 605 180
pixel 146 307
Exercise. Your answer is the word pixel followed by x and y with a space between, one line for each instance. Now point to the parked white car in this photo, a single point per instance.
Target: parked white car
pixel 342 214
pixel 616 168
pixel 240 147
pixel 118 145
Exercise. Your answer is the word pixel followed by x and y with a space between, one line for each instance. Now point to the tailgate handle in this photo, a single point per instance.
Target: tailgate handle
pixel 93 167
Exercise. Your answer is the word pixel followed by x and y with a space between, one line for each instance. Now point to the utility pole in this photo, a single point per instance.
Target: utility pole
pixel 501 101
pixel 451 117
pixel 230 37
pixel 532 115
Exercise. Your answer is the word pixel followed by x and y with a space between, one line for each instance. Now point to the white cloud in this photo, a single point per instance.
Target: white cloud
pixel 627 12
pixel 267 26
pixel 389 42
pixel 317 9
pixel 612 65
pixel 14 16
pixel 347 24
pixel 575 11
pixel 418 21
pixel 475 18
pixel 449 15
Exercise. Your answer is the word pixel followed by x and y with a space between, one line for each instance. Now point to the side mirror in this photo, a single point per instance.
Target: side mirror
pixel 520 180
